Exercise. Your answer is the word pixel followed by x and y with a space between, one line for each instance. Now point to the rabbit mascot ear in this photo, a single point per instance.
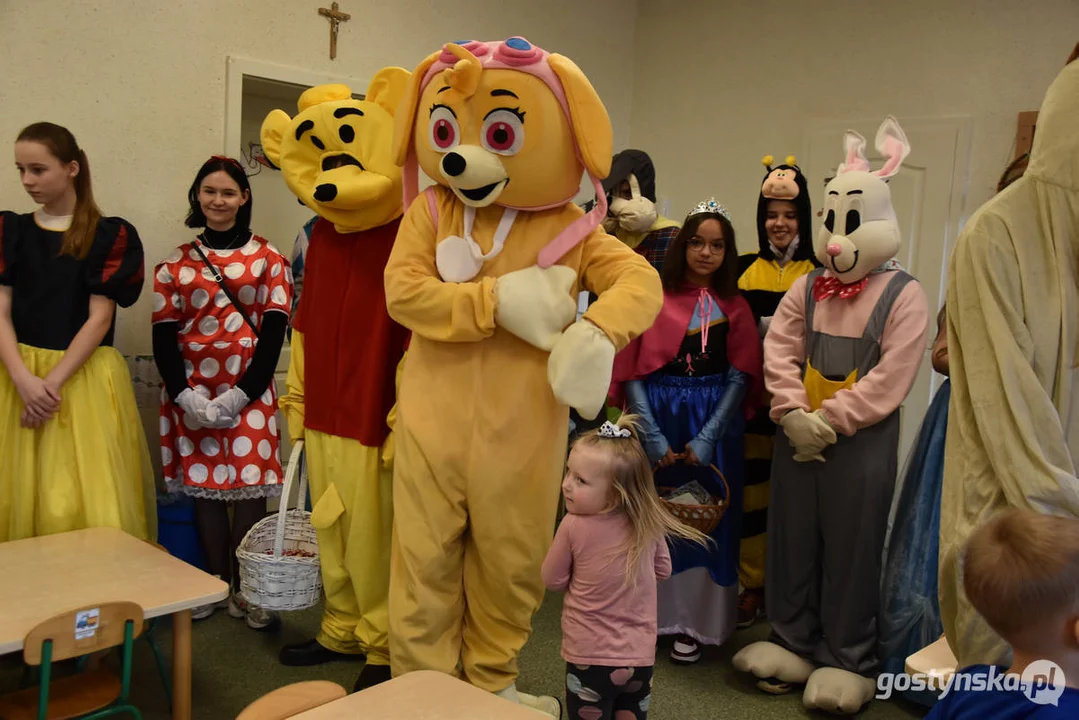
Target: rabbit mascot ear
pixel 892 143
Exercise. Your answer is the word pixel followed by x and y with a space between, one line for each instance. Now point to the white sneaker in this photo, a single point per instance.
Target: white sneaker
pixel 259 619
pixel 686 650
pixel 237 606
pixel 204 611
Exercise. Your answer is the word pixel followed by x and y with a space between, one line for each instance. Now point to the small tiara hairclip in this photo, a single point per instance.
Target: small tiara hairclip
pixel 710 206
pixel 610 430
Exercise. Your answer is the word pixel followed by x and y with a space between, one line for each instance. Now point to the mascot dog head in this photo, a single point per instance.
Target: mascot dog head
pixel 506 123
pixel 335 154
pixel 860 230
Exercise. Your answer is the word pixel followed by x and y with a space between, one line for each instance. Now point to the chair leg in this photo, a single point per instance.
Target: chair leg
pixel 162 669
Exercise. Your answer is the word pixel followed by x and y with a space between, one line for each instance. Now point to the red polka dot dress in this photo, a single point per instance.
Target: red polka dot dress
pixel 217 344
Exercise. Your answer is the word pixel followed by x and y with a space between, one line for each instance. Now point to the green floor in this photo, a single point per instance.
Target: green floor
pixel 234 665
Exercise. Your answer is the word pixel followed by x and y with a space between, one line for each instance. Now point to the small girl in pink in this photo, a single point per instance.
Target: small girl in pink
pixel 607 555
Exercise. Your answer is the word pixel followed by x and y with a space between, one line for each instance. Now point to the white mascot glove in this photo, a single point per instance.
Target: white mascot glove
pixel 229 404
pixel 580 366
pixel 199 407
pixel 809 433
pixel 535 304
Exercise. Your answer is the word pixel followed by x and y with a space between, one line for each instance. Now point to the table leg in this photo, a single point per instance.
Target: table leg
pixel 181 665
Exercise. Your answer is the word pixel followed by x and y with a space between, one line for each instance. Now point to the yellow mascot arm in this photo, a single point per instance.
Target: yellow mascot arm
pixel 291 402
pixel 391 418
pixel 417 297
pixel 629 290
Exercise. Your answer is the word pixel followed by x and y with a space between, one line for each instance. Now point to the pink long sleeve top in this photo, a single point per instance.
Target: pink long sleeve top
pixel 605 620
pixel 875 395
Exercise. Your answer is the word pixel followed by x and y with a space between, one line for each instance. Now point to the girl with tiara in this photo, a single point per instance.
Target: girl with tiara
pixel 608 554
pixel 693 378
pixel 221 309
pixel 783 217
pixel 72 451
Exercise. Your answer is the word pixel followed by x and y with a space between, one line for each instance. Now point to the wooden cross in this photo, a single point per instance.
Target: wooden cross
pixel 336 17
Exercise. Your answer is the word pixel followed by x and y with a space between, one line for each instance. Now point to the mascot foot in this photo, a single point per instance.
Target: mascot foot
pixel 370 676
pixel 838 691
pixel 545 704
pixel 777 668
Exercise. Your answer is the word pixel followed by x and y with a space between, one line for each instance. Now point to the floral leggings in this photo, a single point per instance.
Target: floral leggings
pixel 596 692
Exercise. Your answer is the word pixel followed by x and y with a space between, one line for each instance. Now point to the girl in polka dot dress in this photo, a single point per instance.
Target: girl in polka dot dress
pixel 221 308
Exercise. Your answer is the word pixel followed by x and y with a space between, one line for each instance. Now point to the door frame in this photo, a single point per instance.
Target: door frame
pixel 237 68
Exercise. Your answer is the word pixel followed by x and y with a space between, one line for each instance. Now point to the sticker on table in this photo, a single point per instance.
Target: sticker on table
pixel 86 623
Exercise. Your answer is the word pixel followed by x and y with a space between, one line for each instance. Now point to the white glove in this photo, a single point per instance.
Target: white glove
pixel 228 405
pixel 764 324
pixel 535 304
pixel 808 433
pixel 199 407
pixel 579 368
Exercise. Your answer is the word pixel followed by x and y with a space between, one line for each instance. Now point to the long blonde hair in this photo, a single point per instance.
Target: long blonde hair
pixel 635 493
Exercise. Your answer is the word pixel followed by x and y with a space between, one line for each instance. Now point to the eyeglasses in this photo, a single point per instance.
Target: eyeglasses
pixel 696 245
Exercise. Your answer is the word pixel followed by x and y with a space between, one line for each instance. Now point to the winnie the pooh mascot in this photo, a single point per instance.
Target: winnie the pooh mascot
pixel 335 157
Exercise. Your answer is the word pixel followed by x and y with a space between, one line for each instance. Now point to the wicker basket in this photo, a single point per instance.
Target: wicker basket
pixel 702 517
pixel 269 578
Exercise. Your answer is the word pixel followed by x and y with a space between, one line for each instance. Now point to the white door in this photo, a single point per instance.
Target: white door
pixel 927 195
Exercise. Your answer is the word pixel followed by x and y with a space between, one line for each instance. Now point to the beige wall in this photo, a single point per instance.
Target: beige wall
pixel 141 83
pixel 719 85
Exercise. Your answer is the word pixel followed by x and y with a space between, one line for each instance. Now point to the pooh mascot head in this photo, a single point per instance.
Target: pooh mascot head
pixel 860 231
pixel 335 154
pixel 509 124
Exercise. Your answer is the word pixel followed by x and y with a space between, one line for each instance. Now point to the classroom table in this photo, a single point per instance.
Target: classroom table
pixel 52 574
pixel 421 695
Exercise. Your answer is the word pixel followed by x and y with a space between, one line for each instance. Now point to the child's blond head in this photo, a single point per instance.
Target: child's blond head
pixel 634 490
pixel 1021 573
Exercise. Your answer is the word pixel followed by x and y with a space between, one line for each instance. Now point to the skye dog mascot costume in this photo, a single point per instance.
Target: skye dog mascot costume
pixel 842 353
pixel 335 156
pixel 485 272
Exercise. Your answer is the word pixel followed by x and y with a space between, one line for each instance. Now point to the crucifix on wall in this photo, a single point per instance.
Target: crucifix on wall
pixel 336 17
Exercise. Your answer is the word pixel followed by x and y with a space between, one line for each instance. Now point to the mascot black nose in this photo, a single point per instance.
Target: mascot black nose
pixel 453 164
pixel 326 192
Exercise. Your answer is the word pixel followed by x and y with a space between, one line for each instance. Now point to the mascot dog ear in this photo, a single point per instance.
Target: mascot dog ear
pixel 591 124
pixel 405 115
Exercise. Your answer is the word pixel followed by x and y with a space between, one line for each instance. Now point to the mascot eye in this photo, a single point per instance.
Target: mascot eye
pixel 854 220
pixel 443 128
pixel 829 221
pixel 503 132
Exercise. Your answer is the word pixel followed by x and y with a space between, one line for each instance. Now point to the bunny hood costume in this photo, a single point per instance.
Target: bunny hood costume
pixel 1013 340
pixel 842 353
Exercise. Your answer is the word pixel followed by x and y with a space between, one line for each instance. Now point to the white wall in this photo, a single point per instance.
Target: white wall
pixel 141 83
pixel 720 84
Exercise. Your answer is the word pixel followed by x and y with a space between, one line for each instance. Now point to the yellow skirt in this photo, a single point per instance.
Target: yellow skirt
pixel 88 466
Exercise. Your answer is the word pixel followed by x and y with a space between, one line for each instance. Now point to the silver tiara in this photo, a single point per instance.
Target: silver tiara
pixel 610 430
pixel 710 206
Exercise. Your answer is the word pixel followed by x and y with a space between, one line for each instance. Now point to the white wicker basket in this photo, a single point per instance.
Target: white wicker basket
pixel 270 579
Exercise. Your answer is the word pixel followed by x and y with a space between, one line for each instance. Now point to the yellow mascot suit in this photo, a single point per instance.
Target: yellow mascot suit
pixel 484 273
pixel 335 157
